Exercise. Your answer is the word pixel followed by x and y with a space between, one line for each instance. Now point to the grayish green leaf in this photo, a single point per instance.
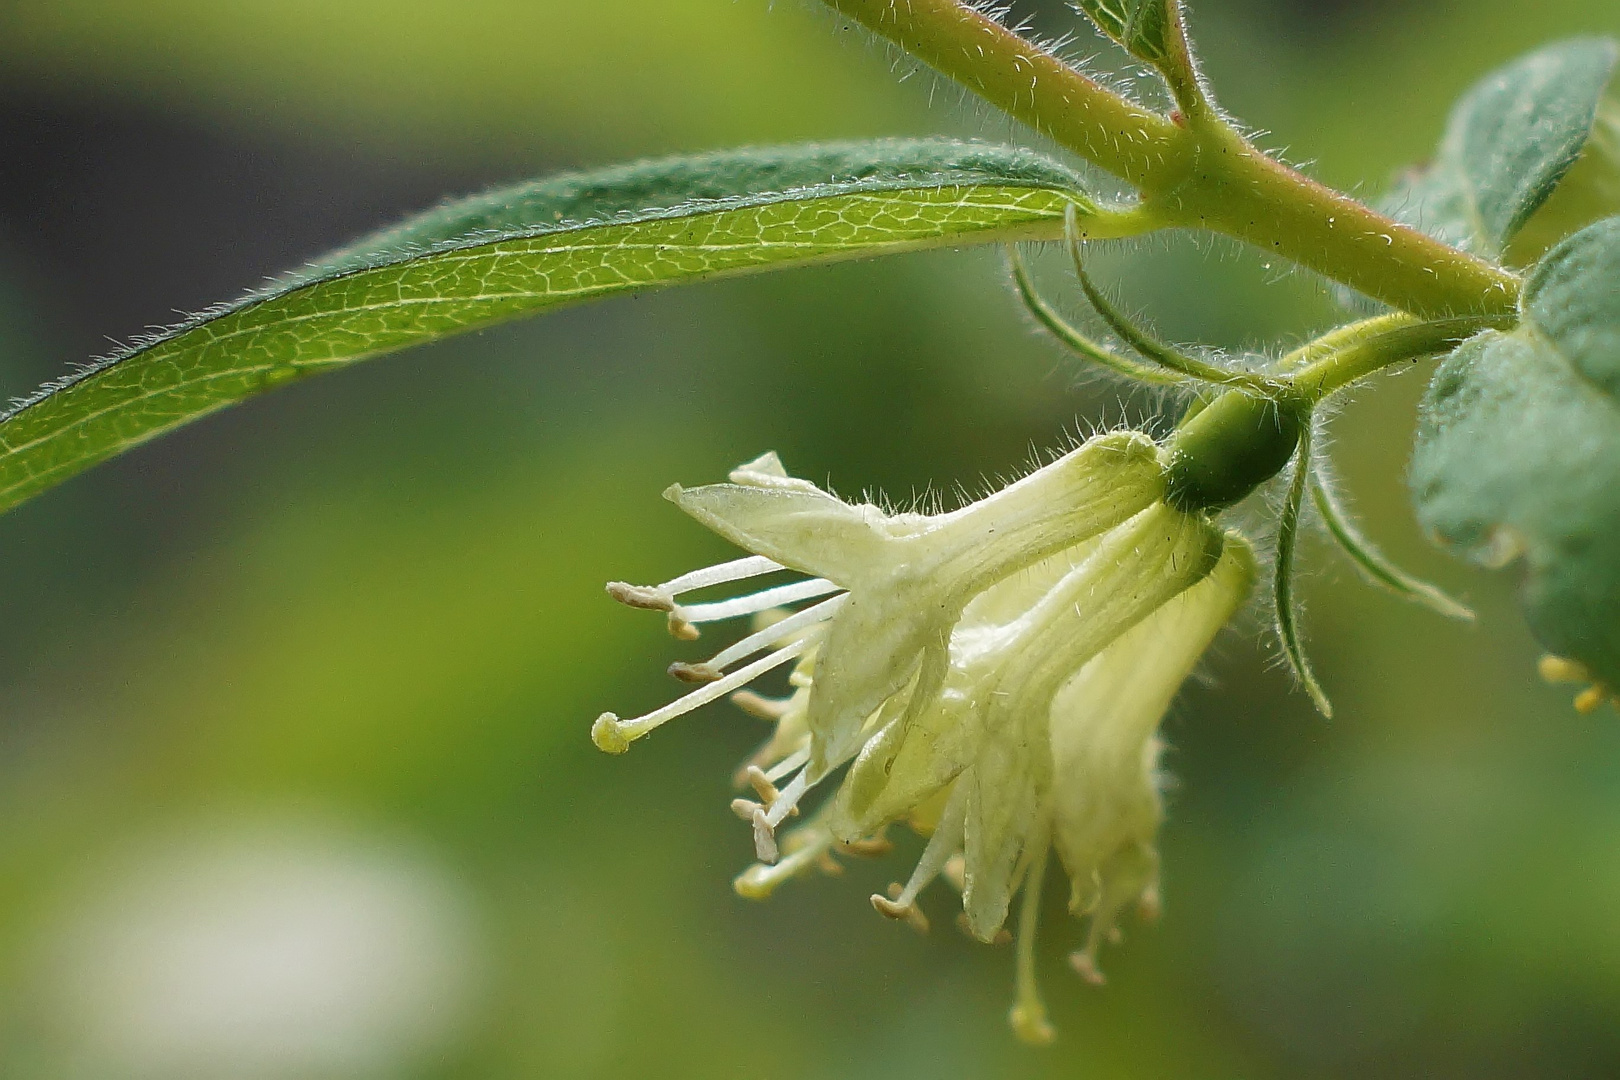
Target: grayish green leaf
pixel 1589 192
pixel 1508 143
pixel 1574 300
pixel 1518 450
pixel 528 249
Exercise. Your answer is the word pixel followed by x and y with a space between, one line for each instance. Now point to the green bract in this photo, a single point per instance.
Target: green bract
pixel 532 248
pixel 1509 141
pixel 1518 450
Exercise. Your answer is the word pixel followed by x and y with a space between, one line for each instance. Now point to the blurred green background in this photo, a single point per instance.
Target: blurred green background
pixel 294 771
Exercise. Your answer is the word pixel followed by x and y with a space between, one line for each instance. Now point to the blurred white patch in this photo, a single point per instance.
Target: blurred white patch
pixel 260 953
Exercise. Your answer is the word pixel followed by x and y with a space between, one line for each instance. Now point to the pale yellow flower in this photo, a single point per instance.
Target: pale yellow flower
pixel 993 676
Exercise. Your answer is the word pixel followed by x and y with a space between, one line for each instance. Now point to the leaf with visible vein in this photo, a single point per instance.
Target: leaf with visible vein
pixel 1509 141
pixel 1518 450
pixel 531 248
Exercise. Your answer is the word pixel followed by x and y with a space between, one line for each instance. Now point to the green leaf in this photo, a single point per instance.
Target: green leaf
pixel 1518 450
pixel 1508 143
pixel 532 248
pixel 1142 26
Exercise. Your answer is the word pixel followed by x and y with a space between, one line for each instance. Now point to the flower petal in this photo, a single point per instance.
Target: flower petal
pixel 1105 797
pixel 801 527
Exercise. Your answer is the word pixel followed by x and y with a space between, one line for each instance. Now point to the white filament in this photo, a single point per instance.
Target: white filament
pixel 763 600
pixel 776 632
pixel 735 570
pixel 708 692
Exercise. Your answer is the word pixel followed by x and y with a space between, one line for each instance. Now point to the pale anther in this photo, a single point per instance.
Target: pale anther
pixel 762 785
pixel 695 673
pixel 764 837
pixel 760 706
pixel 641 725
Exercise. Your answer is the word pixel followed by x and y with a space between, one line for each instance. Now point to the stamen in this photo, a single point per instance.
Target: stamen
pixel 1084 963
pixel 646 597
pixel 1102 927
pixel 1028 1015
pixel 894 906
pixel 614 735
pixel 942 849
pixel 763 600
pixel 735 570
pixel 787 765
pixel 789 626
pixel 757 705
pixel 761 784
pixel 760 880
pixel 1150 905
pixel 764 836
pixel 869 847
pixel 1591 699
pixel 695 673
pixel 1556 669
pixel 745 808
pixel 788 799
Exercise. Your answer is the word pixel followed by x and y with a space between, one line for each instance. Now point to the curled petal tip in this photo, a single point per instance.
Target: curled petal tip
pixel 608 734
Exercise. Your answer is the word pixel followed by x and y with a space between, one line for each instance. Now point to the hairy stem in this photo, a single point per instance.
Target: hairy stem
pixel 1381 342
pixel 1026 81
pixel 1199 172
pixel 1236 189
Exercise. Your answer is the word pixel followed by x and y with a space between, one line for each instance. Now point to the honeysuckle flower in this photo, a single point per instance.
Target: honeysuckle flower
pixel 997 675
pixel 901 582
pixel 988 730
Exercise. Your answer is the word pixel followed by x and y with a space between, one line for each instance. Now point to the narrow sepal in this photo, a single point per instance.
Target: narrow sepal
pixel 1373 565
pixel 1283 584
pixel 1077 342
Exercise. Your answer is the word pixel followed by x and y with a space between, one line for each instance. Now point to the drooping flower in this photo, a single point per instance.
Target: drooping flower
pixel 994 677
pixel 902 581
pixel 1068 761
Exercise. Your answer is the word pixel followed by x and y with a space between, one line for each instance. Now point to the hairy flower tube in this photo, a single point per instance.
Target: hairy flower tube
pixel 901 582
pixel 992 676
